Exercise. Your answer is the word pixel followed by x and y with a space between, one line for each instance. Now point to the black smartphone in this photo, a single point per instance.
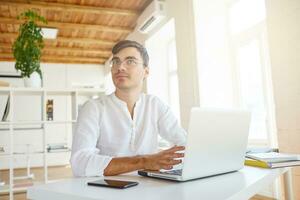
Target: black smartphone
pixel 113 183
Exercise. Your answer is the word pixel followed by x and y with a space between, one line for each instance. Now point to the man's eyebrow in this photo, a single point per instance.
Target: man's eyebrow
pixel 131 57
pixel 115 57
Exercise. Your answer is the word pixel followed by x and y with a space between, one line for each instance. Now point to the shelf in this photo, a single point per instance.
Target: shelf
pixel 60 122
pixel 42 156
pixel 20 153
pixel 86 91
pixel 18 187
pixel 27 91
pixel 33 153
pixel 68 151
pixel 23 90
pixel 26 122
pixel 38 122
pixel 4 190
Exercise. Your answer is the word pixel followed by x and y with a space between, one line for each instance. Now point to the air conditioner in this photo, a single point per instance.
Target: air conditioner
pixel 152 15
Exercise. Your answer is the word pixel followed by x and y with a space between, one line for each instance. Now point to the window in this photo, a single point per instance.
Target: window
pixel 163 78
pixel 250 56
pixel 173 78
pixel 233 62
pixel 251 86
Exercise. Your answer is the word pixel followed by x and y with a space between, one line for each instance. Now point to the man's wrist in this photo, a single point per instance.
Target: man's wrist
pixel 142 161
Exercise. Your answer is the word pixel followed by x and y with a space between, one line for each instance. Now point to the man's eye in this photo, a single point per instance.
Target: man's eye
pixel 130 62
pixel 115 62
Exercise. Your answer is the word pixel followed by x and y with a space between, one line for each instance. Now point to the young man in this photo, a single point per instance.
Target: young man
pixel 118 133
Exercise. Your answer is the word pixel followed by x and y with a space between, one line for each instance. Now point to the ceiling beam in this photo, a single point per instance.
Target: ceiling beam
pixel 58 62
pixel 69 7
pixel 104 53
pixel 66 59
pixel 67 25
pixel 57 59
pixel 65 39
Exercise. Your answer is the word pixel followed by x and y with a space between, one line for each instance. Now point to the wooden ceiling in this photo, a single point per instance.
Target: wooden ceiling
pixel 87 29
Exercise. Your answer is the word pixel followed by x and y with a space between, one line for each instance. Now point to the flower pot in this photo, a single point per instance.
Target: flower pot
pixel 33 81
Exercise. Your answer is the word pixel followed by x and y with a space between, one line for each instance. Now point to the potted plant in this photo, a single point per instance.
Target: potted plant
pixel 27 48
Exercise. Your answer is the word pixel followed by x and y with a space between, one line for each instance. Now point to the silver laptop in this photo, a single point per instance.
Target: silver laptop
pixel 216 144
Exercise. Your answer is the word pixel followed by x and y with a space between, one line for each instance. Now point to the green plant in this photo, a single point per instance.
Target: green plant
pixel 28 46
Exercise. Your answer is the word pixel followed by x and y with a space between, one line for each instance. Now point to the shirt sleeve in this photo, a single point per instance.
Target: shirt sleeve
pixel 168 126
pixel 85 158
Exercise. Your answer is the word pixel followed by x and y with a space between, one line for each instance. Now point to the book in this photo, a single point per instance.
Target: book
pixel 263 164
pixel 3 104
pixel 58 150
pixel 57 147
pixel 273 157
pixel 49 109
pixel 261 150
pixel 6 110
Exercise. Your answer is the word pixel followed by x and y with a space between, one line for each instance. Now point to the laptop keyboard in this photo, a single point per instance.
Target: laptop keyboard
pixel 173 172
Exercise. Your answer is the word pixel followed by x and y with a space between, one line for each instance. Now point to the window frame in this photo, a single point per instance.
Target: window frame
pixel 259 33
pixel 172 73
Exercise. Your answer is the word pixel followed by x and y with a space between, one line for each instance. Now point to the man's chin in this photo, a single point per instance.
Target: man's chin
pixel 123 87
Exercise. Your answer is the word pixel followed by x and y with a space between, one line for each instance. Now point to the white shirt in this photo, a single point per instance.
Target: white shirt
pixel 105 130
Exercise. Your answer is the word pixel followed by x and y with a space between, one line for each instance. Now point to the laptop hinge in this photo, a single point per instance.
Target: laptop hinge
pixel 172 177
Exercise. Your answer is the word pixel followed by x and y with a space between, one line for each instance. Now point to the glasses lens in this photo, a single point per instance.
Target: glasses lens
pixel 115 62
pixel 131 62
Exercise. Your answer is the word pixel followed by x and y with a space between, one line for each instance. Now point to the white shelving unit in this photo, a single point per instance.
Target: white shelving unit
pixel 11 123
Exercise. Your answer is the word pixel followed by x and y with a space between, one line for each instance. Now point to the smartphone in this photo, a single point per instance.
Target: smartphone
pixel 113 183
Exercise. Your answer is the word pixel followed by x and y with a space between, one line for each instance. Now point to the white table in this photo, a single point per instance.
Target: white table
pixel 234 186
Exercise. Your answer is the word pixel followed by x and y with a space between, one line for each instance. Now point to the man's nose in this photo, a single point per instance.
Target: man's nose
pixel 121 67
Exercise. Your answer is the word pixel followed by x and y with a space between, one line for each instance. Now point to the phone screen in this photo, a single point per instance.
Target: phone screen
pixel 113 183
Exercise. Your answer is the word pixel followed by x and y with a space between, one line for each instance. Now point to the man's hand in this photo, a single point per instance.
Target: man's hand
pixel 164 159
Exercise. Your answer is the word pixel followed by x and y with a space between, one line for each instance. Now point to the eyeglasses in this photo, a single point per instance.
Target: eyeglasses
pixel 128 63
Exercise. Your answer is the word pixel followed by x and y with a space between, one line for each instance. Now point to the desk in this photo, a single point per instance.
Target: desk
pixel 232 186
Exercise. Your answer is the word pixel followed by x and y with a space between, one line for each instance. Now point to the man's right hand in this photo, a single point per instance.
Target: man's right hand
pixel 165 159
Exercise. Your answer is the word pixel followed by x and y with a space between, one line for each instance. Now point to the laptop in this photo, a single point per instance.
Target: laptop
pixel 216 144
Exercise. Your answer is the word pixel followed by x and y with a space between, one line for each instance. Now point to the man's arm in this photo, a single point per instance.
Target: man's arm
pixel 161 160
pixel 85 158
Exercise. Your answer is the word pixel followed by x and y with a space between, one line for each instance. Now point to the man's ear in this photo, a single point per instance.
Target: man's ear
pixel 146 72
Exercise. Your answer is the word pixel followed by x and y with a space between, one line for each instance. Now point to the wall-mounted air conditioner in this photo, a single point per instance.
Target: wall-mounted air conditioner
pixel 151 16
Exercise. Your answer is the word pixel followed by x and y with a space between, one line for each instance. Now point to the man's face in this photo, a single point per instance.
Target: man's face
pixel 128 71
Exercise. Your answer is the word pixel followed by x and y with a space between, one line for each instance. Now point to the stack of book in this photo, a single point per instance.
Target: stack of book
pixel 57 147
pixel 272 160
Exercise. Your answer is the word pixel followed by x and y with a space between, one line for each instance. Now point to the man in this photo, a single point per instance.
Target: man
pixel 118 133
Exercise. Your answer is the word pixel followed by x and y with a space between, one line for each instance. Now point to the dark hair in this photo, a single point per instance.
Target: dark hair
pixel 129 43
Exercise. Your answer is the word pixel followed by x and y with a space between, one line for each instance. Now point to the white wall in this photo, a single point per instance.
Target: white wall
pixel 55 76
pixel 283 19
pixel 63 75
pixel 157 81
pixel 182 12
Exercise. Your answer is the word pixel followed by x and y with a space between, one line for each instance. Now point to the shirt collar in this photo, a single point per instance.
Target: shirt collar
pixel 123 103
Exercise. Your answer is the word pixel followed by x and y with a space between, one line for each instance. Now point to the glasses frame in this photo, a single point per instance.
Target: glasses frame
pixel 116 66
